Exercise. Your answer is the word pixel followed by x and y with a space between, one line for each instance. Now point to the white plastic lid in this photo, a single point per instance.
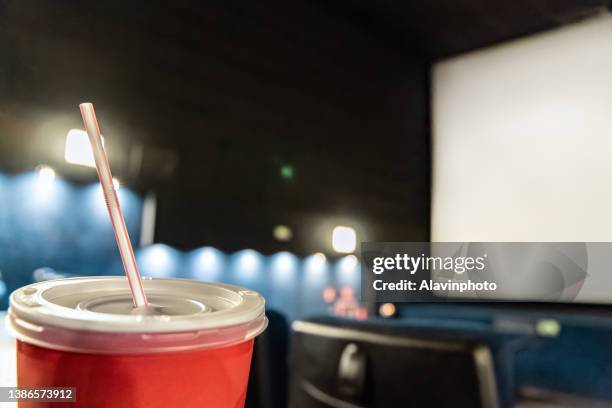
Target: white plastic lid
pixel 96 315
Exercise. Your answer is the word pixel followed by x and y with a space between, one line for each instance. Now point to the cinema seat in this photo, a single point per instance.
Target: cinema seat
pixel 339 363
pixel 268 378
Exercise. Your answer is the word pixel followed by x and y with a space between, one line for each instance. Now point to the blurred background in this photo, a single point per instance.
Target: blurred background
pixel 240 135
pixel 253 131
pixel 260 144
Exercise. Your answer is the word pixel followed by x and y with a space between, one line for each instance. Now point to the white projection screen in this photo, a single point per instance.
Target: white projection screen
pixel 522 142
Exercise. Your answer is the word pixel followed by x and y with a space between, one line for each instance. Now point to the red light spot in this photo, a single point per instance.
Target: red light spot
pixel 362 313
pixel 339 309
pixel 329 294
pixel 347 293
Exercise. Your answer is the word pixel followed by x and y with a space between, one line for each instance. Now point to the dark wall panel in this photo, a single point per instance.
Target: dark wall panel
pixel 230 91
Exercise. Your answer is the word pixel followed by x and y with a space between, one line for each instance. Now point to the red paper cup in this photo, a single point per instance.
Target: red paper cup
pixel 194 351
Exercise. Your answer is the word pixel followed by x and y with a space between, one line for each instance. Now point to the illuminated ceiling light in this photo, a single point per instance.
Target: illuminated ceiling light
pixel 208 264
pixel 287 172
pixel 344 239
pixel 282 233
pixel 387 309
pixel 318 259
pixel 157 261
pixel 159 255
pixel 320 256
pixel 78 149
pixel 46 176
pixel 248 261
pixel 283 268
pixel 315 263
pixel 208 259
pixel 348 263
pixel 315 267
pixel 284 261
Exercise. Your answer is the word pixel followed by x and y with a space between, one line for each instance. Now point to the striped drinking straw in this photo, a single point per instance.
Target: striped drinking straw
pixel 112 204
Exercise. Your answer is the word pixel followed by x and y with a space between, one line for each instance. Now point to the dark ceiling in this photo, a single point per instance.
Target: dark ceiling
pixel 443 28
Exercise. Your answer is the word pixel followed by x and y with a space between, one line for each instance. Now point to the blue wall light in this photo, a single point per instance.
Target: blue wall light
pixel 284 283
pixel 347 271
pixel 246 269
pixel 159 261
pixel 316 269
pixel 207 264
pixel 283 268
pixel 49 222
pixel 316 277
pixel 41 193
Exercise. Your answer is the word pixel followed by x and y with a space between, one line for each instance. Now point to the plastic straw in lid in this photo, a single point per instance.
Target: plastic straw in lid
pixel 112 204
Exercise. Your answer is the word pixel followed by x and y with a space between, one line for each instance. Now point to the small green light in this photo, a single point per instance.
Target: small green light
pixel 548 328
pixel 287 172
